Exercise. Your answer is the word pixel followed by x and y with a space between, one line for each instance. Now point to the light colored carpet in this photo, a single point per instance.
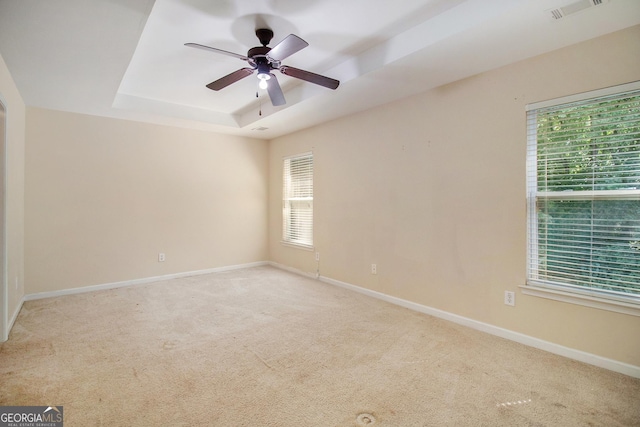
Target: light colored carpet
pixel 264 347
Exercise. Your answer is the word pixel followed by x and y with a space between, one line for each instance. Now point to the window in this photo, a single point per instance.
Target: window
pixel 583 190
pixel 297 200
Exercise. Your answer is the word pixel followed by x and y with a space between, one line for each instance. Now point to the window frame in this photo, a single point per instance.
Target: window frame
pixel 567 293
pixel 287 198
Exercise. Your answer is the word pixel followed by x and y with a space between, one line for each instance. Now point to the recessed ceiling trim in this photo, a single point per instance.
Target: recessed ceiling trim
pixel 163 108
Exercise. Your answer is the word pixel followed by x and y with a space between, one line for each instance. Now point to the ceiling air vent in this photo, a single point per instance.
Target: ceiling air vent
pixel 556 13
pixel 571 8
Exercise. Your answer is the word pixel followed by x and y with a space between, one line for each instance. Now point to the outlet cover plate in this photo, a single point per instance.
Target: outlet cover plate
pixel 510 298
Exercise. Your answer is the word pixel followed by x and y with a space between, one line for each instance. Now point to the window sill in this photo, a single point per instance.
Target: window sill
pixel 593 301
pixel 297 245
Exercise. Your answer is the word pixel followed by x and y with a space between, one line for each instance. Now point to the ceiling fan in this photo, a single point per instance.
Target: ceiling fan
pixel 265 59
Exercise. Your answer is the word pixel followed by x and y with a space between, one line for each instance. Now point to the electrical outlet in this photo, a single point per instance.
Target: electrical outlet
pixel 374 269
pixel 510 298
pixel 317 256
pixel 161 257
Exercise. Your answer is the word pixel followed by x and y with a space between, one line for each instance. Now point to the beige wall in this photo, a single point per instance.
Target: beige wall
pixel 14 193
pixel 432 190
pixel 105 196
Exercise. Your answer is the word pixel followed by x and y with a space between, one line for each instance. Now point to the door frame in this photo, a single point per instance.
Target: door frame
pixel 4 289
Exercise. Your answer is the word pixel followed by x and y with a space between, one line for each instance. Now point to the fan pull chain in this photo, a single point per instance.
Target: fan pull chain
pixel 259 111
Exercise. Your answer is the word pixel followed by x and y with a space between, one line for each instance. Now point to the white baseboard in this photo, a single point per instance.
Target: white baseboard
pixel 134 282
pixel 11 321
pixel 293 270
pixel 15 316
pixel 592 359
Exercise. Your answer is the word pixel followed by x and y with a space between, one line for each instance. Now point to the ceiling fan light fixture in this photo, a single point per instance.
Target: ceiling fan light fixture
pixel 264 74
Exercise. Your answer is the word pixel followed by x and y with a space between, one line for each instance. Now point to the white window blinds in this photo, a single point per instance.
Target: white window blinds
pixel 297 203
pixel 583 183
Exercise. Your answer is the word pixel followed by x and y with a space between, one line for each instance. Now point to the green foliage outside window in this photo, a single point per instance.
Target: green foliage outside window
pixel 588 195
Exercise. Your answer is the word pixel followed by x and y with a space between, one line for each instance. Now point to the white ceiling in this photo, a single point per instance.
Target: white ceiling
pixel 127 59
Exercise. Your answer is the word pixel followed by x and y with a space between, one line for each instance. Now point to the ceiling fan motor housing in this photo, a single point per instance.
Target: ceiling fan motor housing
pixel 258 51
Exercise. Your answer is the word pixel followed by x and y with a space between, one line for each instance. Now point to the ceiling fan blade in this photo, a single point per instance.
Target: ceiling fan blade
pixel 225 81
pixel 287 47
pixel 213 49
pixel 309 77
pixel 275 91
